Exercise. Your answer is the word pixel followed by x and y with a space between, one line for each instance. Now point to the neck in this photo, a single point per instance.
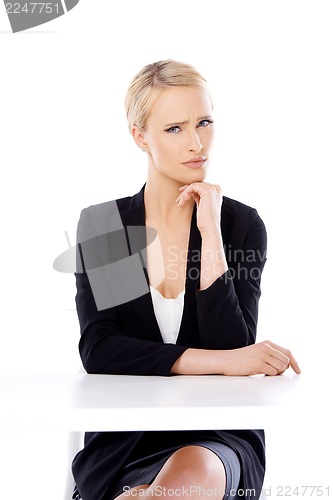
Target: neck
pixel 160 196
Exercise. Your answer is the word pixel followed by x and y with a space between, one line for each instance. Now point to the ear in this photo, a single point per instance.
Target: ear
pixel 139 137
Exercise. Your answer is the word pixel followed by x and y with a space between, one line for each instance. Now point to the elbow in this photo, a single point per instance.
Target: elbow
pixel 90 365
pixel 96 363
pixel 90 369
pixel 95 367
pixel 92 362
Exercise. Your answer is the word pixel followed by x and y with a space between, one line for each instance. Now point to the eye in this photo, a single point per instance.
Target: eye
pixel 173 130
pixel 205 123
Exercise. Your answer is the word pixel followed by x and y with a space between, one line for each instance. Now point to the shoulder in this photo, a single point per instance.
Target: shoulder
pixel 113 208
pixel 239 213
pixel 235 208
pixel 108 207
pixel 105 217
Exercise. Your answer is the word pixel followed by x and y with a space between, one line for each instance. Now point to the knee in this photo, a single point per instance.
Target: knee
pixel 193 466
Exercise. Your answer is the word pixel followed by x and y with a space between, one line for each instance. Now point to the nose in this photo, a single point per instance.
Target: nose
pixel 194 142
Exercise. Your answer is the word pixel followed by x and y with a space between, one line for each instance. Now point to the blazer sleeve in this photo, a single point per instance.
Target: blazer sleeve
pixel 227 310
pixel 104 347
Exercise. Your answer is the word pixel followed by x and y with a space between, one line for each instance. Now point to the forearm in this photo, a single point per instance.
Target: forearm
pixel 266 358
pixel 116 354
pixel 213 260
pixel 199 362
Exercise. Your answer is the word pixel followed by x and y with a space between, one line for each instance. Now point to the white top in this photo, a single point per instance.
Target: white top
pixel 168 314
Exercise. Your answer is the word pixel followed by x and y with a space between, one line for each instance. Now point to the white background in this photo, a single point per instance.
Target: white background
pixel 65 145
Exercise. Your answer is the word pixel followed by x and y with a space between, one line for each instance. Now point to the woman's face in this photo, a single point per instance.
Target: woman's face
pixel 179 134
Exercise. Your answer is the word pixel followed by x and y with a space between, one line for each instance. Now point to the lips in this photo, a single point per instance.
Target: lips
pixel 195 162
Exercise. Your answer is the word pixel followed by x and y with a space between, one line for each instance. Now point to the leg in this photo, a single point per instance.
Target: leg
pixel 191 472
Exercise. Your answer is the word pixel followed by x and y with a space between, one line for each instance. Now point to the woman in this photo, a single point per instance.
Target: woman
pixel 193 315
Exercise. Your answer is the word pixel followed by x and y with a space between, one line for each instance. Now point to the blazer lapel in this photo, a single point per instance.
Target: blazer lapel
pixel 135 215
pixel 189 318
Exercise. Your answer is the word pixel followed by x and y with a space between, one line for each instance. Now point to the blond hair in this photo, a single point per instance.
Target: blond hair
pixel 151 81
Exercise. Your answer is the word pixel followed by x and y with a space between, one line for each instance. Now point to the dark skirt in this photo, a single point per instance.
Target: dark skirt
pixel 110 461
pixel 154 449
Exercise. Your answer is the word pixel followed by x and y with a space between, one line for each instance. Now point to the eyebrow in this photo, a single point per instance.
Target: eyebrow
pixel 208 117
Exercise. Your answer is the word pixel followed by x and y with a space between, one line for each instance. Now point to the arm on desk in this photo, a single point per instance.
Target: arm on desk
pixel 264 358
pixel 104 349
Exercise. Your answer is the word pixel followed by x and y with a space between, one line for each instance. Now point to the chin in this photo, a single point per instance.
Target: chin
pixel 198 176
pixel 194 176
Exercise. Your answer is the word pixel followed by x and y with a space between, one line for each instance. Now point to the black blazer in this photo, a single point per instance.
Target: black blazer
pixel 125 339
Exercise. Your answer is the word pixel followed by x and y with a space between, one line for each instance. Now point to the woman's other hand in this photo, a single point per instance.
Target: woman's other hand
pixel 208 198
pixel 264 358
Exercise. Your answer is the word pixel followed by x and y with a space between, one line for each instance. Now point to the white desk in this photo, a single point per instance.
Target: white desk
pixel 118 403
pixel 292 409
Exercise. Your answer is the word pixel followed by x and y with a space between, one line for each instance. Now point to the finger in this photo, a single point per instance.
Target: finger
pixel 294 365
pixel 276 363
pixel 292 361
pixel 278 347
pixel 199 188
pixel 183 198
pixel 268 369
pixel 282 372
pixel 187 195
pixel 181 188
pixel 276 353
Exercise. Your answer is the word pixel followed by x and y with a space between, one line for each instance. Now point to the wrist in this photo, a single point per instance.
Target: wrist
pixel 202 362
pixel 213 232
